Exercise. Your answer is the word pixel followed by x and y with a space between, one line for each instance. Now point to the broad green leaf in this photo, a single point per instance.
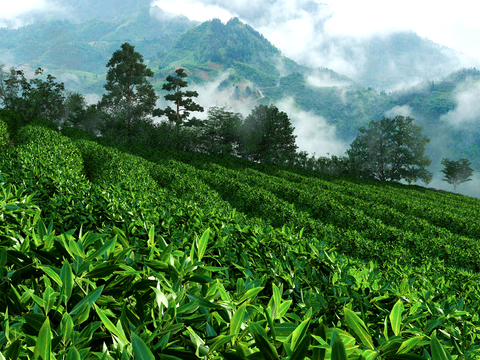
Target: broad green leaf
pixel 338 350
pixel 299 332
pixel 35 320
pixel 320 331
pixel 250 294
pixel 301 349
pixel 237 320
pixel 66 275
pixel 103 249
pixel 49 297
pixel 12 352
pixel 438 351
pixel 140 349
pixel 267 349
pixel 202 244
pixel 277 300
pixel 102 271
pixel 90 299
pixel 196 340
pixel 73 354
pixel 67 327
pixel 409 344
pixel 52 274
pixel 109 325
pixel 358 327
pixel 284 308
pixel 43 346
pixel 219 341
pixel 396 316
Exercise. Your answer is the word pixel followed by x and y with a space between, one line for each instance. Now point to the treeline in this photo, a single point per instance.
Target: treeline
pixel 389 150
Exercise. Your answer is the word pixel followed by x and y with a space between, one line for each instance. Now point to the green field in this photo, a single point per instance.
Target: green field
pixel 114 252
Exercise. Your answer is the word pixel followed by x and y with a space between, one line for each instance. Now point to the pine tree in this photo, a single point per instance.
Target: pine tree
pixel 130 96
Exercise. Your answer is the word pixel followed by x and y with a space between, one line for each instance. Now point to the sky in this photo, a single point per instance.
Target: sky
pixel 453 24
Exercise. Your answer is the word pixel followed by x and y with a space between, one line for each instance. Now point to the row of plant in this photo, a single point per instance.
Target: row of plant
pixel 107 255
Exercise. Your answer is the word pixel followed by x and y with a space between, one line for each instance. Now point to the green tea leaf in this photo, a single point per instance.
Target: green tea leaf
pixel 140 349
pixel 43 346
pixel 219 341
pixel 66 275
pixel 338 350
pixel 250 294
pixel 52 274
pixel 90 299
pixel 301 349
pixel 409 344
pixel 267 349
pixel 438 351
pixel 109 325
pixel 237 320
pixel 358 327
pixel 396 317
pixel 202 244
pixel 73 354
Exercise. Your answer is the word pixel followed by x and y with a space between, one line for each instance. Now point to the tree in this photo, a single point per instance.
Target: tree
pixel 267 136
pixel 392 149
pixel 221 131
pixel 34 98
pixel 457 172
pixel 130 97
pixel 182 99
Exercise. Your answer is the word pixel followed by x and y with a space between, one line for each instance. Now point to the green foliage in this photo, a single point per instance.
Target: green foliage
pixel 392 149
pixel 165 254
pixel 130 97
pixel 4 135
pixel 267 136
pixel 12 120
pixel 457 172
pixel 182 99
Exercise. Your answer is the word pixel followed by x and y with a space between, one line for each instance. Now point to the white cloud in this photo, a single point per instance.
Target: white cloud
pixel 404 110
pixel 10 9
pixel 468 107
pixel 314 134
pixel 325 80
pixel 194 10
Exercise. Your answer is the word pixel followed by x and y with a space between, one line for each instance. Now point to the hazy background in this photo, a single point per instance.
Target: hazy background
pixel 337 34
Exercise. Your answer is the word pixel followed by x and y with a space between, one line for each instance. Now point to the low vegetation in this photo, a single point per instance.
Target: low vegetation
pixel 111 251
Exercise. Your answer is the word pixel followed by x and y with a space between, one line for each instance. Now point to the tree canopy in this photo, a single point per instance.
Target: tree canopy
pixel 130 96
pixel 182 99
pixel 392 150
pixel 457 172
pixel 267 136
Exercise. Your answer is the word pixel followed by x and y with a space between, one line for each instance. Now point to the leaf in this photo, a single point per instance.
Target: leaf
pixel 73 354
pixel 51 273
pixel 34 320
pixel 409 344
pixel 338 349
pixel 103 249
pixel 299 332
pixel 66 275
pixel 140 349
pixel 358 327
pixel 267 349
pixel 396 316
pixel 438 351
pixel 237 320
pixel 43 345
pixel 301 349
pixel 250 294
pixel 90 299
pixel 67 327
pixel 109 325
pixel 320 331
pixel 101 271
pixel 202 244
pixel 277 301
pixel 220 340
pixel 12 352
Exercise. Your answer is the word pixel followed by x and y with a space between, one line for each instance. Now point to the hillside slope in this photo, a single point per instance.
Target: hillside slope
pixel 160 254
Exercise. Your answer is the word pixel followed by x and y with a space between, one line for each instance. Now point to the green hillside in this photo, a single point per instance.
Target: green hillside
pixel 133 252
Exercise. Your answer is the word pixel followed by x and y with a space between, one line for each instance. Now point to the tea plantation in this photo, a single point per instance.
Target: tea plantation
pixel 133 253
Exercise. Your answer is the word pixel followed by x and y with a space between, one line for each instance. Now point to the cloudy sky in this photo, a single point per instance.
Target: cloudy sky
pixel 454 24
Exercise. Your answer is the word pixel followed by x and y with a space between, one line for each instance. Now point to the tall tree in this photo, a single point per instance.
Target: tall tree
pixel 267 136
pixel 221 131
pixel 182 99
pixel 457 172
pixel 130 97
pixel 392 149
pixel 33 98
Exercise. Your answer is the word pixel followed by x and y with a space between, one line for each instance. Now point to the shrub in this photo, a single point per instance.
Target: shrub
pixel 4 136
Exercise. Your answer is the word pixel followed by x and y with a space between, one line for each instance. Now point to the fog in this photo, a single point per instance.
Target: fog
pixel 467 111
